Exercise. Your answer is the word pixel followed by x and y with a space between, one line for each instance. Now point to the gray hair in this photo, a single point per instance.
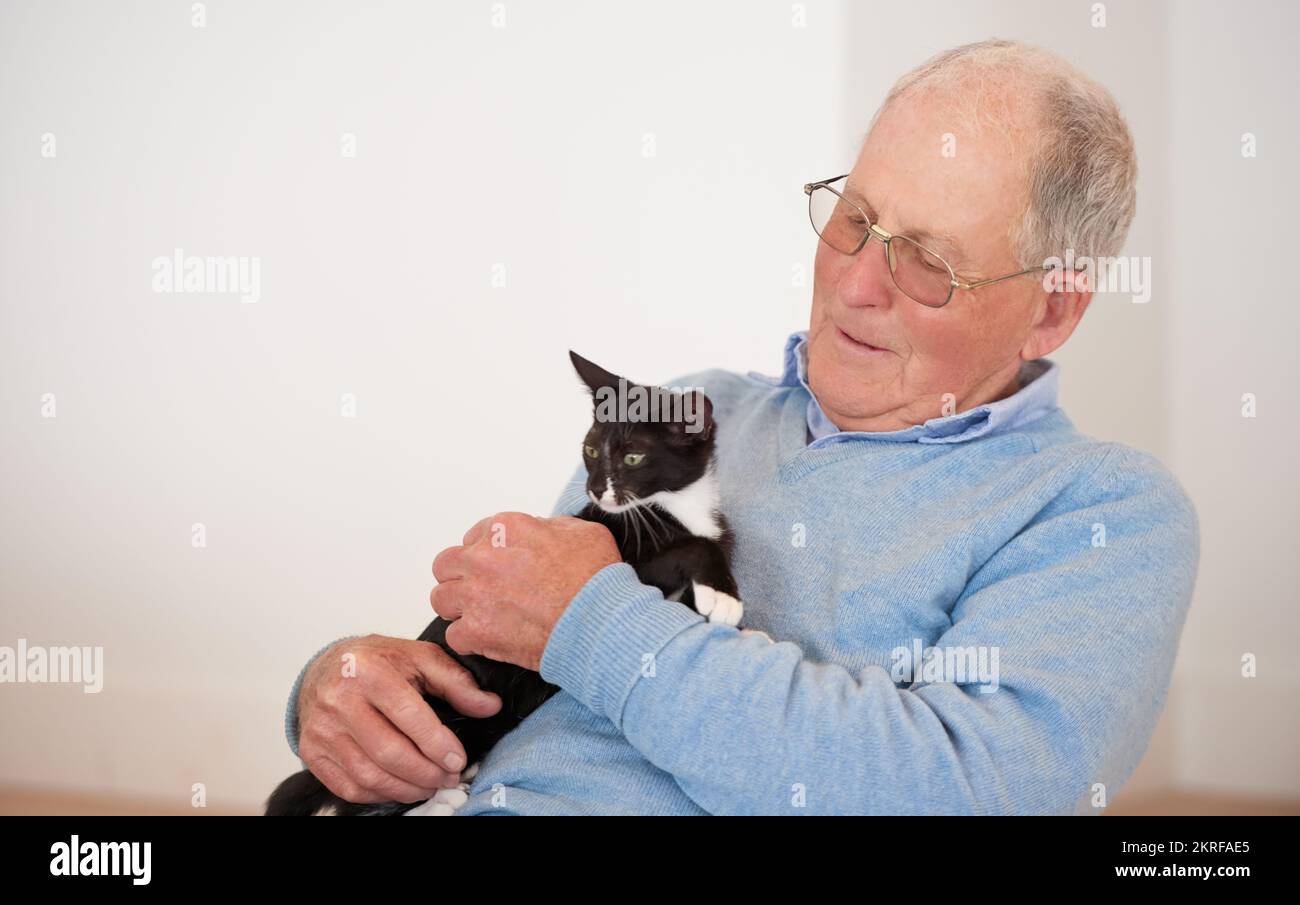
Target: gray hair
pixel 1081 168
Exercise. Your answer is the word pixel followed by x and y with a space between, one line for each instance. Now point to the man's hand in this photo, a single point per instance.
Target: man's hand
pixel 512 579
pixel 365 730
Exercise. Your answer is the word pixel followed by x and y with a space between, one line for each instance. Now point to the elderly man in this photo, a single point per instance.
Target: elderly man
pixel 973 608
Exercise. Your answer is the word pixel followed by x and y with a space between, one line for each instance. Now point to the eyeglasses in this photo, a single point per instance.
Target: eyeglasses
pixel 919 273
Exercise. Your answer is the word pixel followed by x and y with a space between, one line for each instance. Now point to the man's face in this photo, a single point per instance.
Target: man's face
pixel 971 346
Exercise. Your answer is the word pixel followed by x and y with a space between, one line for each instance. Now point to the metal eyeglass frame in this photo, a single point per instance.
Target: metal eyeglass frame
pixel 886 237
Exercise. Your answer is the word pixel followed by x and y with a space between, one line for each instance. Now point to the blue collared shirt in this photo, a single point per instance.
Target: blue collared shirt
pixel 1035 398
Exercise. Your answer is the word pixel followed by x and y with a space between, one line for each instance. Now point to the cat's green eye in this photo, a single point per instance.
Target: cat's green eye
pixel 632 460
pixel 591 452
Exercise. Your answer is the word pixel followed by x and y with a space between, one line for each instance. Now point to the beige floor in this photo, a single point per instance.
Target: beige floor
pixel 28 802
pixel 1187 804
pixel 15 801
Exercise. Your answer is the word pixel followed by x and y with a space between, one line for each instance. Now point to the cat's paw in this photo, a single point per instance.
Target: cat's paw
pixel 754 631
pixel 716 606
pixel 446 802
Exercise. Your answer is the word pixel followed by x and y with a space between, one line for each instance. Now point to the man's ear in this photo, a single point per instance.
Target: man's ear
pixel 1059 310
pixel 593 375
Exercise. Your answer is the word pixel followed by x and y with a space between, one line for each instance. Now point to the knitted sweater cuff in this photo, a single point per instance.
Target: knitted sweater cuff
pixel 291 711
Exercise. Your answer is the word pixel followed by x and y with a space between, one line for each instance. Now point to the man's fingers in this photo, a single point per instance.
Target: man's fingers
pixel 447 599
pixel 391 744
pixel 437 745
pixel 457 640
pixel 373 778
pixel 449 564
pixel 478 530
pixel 464 641
pixel 444 678
pixel 336 779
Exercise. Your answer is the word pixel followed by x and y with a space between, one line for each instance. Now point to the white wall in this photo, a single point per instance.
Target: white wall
pixel 524 146
pixel 1232 239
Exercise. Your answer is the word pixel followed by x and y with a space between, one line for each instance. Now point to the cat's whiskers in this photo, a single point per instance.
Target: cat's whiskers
pixel 648 511
pixel 635 528
pixel 639 508
pixel 653 511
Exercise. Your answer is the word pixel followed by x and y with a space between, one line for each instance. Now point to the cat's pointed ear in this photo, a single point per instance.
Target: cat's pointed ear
pixel 593 375
pixel 695 424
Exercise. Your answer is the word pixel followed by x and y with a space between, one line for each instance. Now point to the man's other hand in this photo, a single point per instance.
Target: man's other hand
pixel 364 728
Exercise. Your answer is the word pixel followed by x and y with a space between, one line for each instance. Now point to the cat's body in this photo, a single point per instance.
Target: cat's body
pixel 652 484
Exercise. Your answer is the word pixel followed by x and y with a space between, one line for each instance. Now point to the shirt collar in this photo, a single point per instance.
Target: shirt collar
pixel 1035 398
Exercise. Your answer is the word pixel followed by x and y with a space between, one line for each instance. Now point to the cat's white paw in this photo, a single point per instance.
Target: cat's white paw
pixel 754 631
pixel 446 802
pixel 443 804
pixel 716 606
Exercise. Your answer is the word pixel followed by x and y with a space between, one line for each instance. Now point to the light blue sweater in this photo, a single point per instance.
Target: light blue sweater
pixel 1035 580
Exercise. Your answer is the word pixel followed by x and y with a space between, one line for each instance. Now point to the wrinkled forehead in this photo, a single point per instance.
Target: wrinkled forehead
pixel 928 173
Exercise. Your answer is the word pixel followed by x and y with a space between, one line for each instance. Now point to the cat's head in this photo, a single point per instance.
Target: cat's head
pixel 643 439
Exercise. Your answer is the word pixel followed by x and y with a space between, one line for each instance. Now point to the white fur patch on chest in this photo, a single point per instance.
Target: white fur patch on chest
pixel 695 505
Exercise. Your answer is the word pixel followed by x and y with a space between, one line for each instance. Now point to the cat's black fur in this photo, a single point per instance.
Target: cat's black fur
pixel 665 553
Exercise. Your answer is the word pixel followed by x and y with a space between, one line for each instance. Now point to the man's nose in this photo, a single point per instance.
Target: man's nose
pixel 866 281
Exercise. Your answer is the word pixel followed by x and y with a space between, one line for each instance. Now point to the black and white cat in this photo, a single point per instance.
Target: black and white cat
pixel 651 482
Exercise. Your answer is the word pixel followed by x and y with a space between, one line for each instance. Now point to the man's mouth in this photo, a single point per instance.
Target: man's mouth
pixel 858 344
